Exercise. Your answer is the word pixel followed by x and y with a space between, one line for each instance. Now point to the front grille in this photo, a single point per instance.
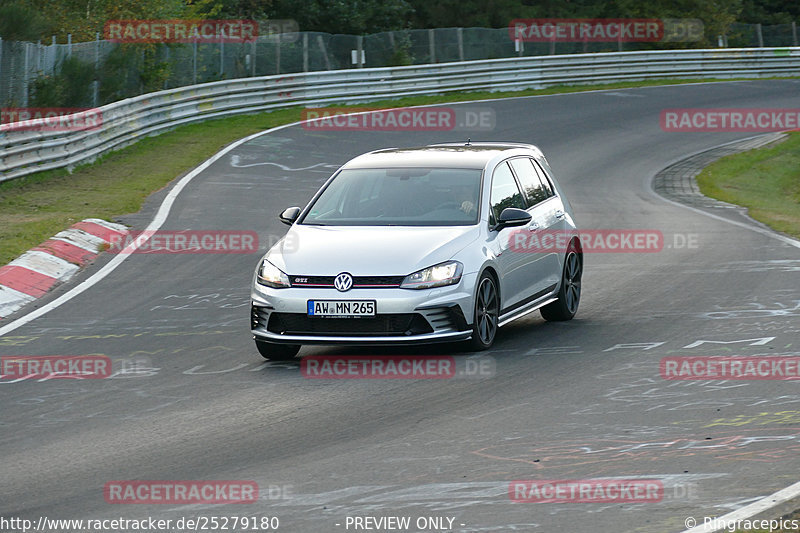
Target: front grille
pixel 359 282
pixel 403 324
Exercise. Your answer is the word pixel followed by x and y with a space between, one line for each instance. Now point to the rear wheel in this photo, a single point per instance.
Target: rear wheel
pixel 487 311
pixel 277 352
pixel 569 295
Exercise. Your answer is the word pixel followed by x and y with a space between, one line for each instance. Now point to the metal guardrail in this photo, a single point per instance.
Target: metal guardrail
pixel 124 122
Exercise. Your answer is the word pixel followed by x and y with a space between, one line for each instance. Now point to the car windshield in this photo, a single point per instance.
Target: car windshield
pixel 399 197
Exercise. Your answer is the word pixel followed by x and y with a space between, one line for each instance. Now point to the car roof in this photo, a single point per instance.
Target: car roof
pixel 449 155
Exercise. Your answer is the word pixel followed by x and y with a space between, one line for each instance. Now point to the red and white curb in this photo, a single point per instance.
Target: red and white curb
pixel 35 272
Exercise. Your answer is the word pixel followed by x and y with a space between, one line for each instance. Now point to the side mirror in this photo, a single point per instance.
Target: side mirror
pixel 511 216
pixel 289 215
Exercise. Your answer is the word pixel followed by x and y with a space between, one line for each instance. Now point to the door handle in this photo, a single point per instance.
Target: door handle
pixel 533 226
pixel 560 214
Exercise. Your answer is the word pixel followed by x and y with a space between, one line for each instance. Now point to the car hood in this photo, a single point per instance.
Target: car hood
pixel 367 251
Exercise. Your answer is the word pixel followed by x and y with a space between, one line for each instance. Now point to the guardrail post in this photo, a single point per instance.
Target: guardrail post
pixel 1 62
pixel 794 33
pixel 460 35
pixel 194 63
pixel 305 52
pixel 431 46
pixel 759 35
pixel 360 51
pixel 69 45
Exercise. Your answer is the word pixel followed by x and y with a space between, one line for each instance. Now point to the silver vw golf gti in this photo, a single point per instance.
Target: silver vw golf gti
pixel 420 245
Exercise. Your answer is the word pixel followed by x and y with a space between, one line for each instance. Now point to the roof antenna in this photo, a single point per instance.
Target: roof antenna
pixel 468 141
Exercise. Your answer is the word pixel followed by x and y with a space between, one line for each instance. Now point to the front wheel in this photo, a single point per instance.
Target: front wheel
pixel 486 315
pixel 569 295
pixel 277 352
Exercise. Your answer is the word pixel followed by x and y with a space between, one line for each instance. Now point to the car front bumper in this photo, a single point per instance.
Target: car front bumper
pixel 403 316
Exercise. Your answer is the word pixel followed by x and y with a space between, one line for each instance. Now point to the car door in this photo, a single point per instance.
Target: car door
pixel 556 214
pixel 515 268
pixel 545 239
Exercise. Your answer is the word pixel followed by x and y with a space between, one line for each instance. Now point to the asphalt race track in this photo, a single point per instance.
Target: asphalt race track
pixel 576 400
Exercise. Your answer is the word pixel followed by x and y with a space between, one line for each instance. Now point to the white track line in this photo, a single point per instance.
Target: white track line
pixel 792 491
pixel 158 221
pixel 748 511
pixel 753 227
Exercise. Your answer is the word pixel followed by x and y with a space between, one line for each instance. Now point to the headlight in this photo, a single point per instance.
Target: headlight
pixel 272 276
pixel 448 273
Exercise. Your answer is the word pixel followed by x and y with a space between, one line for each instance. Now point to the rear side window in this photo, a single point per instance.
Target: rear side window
pixel 536 190
pixel 543 177
pixel 505 192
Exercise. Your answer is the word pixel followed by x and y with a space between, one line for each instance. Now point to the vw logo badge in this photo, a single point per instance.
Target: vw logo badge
pixel 343 282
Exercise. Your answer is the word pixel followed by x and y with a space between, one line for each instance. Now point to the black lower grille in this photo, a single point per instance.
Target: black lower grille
pixel 379 325
pixel 258 317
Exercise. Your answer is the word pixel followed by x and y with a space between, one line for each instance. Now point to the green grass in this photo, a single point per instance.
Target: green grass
pixel 34 208
pixel 766 181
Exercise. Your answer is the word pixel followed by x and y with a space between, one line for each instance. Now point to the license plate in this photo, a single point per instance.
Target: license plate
pixel 341 308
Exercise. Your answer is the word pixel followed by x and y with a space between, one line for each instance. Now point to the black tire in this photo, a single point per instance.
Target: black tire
pixel 569 295
pixel 277 352
pixel 486 313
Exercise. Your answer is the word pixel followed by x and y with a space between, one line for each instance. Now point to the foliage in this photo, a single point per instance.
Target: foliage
pixel 18 22
pixel 770 12
pixel 401 55
pixel 355 17
pixel 34 19
pixel 132 70
pixel 71 86
pixel 84 18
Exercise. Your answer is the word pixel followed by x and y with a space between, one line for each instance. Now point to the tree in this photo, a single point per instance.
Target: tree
pixel 355 17
pixel 19 22
pixel 84 18
pixel 465 13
